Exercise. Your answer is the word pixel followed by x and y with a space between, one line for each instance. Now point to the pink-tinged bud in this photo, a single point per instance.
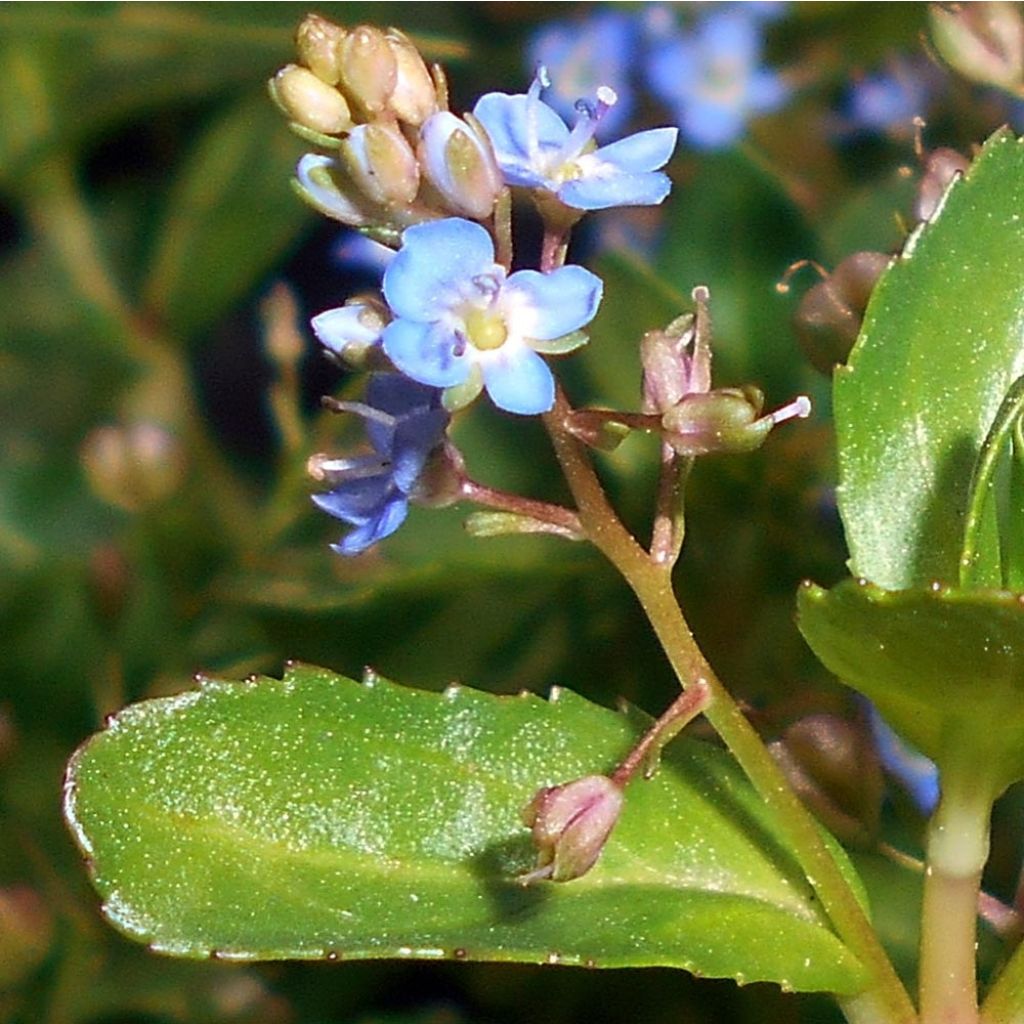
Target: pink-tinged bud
pixel 458 161
pixel 318 42
pixel 942 168
pixel 673 365
pixel 571 823
pixel 368 69
pixel 983 41
pixel 133 467
pixel 414 97
pixel 830 314
pixel 727 420
pixel 381 163
pixel 310 102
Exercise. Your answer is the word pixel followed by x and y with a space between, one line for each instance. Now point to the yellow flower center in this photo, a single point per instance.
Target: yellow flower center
pixel 485 329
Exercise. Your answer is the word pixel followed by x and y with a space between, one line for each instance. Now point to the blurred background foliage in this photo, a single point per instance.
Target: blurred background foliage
pixel 159 397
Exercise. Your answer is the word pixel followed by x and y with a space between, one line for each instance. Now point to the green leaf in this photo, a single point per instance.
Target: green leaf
pixel 314 817
pixel 234 187
pixel 945 666
pixel 939 349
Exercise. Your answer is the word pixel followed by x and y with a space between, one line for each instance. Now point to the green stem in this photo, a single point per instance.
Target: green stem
pixel 957 848
pixel 1005 1001
pixel 652 585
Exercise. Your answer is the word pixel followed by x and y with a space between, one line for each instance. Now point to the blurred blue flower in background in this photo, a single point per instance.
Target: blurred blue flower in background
pixel 536 149
pixel 915 772
pixel 888 101
pixel 462 324
pixel 711 76
pixel 405 425
pixel 585 54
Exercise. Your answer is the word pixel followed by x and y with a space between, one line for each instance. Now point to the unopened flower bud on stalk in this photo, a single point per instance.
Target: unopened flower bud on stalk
pixel 727 420
pixel 352 332
pixel 414 97
pixel 458 161
pixel 309 101
pixel 571 823
pixel 318 42
pixel 983 41
pixel 381 163
pixel 133 467
pixel 369 70
pixel 942 167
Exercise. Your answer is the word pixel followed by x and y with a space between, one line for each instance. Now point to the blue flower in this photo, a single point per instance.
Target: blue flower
pixel 405 425
pixel 461 324
pixel 711 77
pixel 535 149
pixel 581 56
pixel 888 101
pixel 916 773
pixel 351 331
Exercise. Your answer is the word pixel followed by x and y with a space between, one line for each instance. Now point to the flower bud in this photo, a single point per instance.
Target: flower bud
pixel 440 482
pixel 941 168
pixel 571 823
pixel 319 42
pixel 369 70
pixel 414 97
pixel 726 420
pixel 318 181
pixel 983 41
pixel 670 369
pixel 353 331
pixel 133 467
pixel 458 161
pixel 310 102
pixel 833 766
pixel 381 163
pixel 829 316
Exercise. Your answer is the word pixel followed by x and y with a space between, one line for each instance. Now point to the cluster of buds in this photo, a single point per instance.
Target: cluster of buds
pixel 395 155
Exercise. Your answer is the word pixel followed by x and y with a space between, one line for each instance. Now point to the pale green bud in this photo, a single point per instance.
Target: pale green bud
pixel 318 42
pixel 727 420
pixel 983 41
pixel 310 102
pixel 457 159
pixel 369 70
pixel 133 467
pixel 414 97
pixel 381 163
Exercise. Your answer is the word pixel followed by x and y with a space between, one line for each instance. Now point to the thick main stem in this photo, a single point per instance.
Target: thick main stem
pixel 957 848
pixel 652 585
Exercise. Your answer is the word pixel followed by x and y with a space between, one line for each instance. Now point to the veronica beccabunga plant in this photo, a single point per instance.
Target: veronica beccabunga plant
pixel 464 825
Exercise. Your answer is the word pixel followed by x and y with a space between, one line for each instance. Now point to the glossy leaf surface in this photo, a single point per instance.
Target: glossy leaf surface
pixel 315 817
pixel 939 349
pixel 944 666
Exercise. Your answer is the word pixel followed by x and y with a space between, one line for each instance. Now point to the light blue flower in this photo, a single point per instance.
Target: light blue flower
pixel 712 79
pixel 888 100
pixel 536 149
pixel 405 425
pixel 462 324
pixel 582 55
pixel 351 331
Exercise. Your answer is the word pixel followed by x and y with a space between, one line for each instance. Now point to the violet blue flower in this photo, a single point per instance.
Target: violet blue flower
pixel 712 79
pixel 915 772
pixel 584 54
pixel 889 100
pixel 405 425
pixel 462 324
pixel 536 149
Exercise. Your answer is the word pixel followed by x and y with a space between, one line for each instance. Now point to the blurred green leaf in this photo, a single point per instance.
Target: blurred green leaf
pixel 944 666
pixel 940 346
pixel 314 817
pixel 233 186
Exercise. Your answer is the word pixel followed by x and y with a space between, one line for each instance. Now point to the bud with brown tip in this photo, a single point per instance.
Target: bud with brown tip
pixel 318 42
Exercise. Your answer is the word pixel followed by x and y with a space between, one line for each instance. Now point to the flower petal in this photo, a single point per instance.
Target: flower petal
pixel 644 151
pixel 337 329
pixel 389 519
pixel 318 188
pixel 400 397
pixel 507 120
pixel 617 190
pixel 355 501
pixel 426 352
pixel 546 306
pixel 518 380
pixel 436 262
